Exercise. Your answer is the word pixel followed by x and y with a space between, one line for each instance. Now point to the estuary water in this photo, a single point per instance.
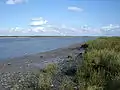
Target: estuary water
pixel 17 47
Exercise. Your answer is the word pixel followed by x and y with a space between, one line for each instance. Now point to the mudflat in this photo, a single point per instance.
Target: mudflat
pixel 38 61
pixel 13 69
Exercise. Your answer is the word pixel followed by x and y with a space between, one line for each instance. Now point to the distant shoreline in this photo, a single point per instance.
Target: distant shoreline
pixel 39 36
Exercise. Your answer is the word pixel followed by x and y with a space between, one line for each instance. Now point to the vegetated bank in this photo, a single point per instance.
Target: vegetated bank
pixel 98 68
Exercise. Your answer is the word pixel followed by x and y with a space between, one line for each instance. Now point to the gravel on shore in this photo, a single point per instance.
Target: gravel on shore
pixel 11 71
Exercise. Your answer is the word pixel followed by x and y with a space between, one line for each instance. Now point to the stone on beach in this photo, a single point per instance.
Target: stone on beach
pixel 41 56
pixel 9 63
pixel 84 46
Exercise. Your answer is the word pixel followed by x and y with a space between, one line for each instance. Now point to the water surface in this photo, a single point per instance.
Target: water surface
pixel 16 47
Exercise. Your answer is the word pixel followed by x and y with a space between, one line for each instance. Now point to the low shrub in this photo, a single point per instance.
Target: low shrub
pixel 67 84
pixel 45 81
pixel 99 68
pixel 51 69
pixel 108 43
pixel 46 77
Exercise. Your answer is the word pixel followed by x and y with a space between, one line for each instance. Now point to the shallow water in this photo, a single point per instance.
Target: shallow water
pixel 16 47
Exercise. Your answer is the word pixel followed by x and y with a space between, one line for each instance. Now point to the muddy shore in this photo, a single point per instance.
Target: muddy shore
pixel 39 60
pixel 33 63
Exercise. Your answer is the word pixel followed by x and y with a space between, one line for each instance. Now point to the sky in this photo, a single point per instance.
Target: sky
pixel 60 17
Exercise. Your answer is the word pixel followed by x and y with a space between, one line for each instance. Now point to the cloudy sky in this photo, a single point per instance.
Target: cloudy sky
pixel 60 17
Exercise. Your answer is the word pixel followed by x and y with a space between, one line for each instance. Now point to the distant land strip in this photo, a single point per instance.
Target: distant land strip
pixel 39 36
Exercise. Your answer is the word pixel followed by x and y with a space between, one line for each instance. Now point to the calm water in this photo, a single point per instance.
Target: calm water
pixel 16 47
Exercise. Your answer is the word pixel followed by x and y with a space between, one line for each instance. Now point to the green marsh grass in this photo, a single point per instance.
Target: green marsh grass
pixel 101 65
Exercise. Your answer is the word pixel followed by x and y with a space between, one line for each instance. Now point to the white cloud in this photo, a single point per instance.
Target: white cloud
pixel 40 26
pixel 74 8
pixel 59 30
pixel 16 29
pixel 110 27
pixel 111 30
pixel 66 30
pixel 15 1
pixel 38 21
pixel 38 29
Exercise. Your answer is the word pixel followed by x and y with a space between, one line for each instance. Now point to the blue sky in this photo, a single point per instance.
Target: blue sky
pixel 60 17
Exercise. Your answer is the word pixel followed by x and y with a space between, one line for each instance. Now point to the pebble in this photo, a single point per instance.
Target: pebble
pixel 52 85
pixel 28 65
pixel 9 63
pixel 41 56
pixel 8 80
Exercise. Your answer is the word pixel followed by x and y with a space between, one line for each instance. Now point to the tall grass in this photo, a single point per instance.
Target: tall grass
pixel 45 77
pixel 101 65
pixel 108 43
pixel 100 69
pixel 67 84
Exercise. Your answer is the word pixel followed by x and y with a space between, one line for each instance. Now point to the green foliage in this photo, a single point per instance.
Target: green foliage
pixel 108 43
pixel 101 65
pixel 68 67
pixel 67 84
pixel 45 77
pixel 45 81
pixel 51 69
